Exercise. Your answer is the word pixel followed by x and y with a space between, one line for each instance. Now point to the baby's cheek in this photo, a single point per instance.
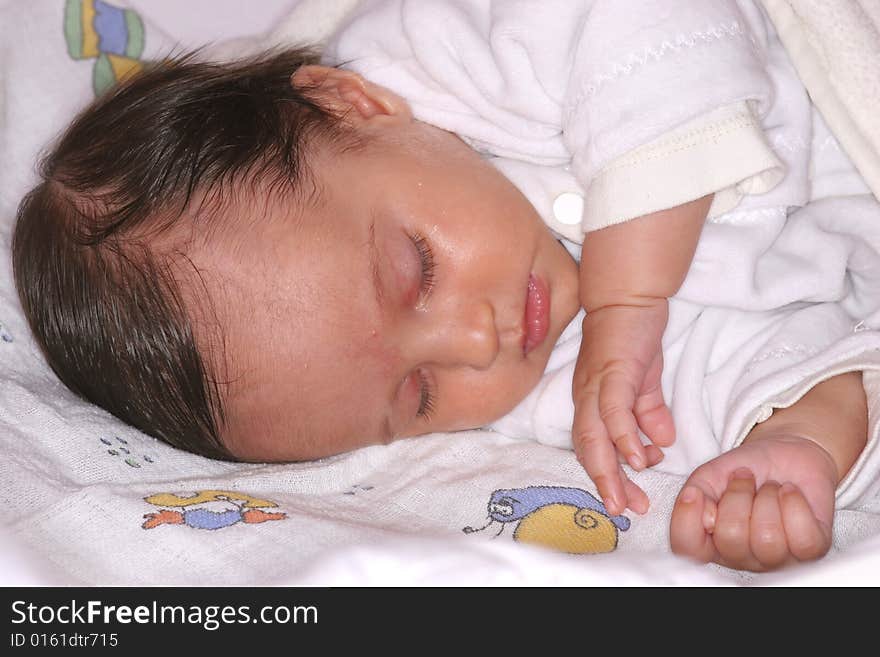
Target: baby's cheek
pixel 485 397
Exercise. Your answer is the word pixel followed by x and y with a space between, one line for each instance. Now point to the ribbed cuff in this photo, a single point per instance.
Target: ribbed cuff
pixel 723 152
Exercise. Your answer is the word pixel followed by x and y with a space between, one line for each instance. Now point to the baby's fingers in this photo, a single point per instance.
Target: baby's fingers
pixel 768 541
pixel 597 455
pixel 651 411
pixel 808 538
pixel 617 397
pixel 653 455
pixel 688 533
pixel 732 526
pixel 636 498
pixel 656 421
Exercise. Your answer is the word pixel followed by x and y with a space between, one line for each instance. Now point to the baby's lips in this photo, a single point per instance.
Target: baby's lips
pixel 536 320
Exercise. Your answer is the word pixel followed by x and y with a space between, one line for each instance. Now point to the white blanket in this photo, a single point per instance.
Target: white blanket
pixel 836 49
pixel 89 500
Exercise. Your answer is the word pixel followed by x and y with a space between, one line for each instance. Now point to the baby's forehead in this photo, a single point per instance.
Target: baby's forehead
pixel 260 270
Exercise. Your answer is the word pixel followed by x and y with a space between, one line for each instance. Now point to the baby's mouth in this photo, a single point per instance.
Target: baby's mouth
pixel 536 318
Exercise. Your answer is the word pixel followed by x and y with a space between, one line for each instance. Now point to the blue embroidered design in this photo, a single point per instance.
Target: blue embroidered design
pixel 567 519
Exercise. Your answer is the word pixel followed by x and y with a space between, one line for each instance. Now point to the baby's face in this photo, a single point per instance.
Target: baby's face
pixel 420 292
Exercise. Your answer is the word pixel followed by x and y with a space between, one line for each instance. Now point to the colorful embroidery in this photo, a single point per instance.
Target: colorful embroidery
pixel 566 519
pixel 209 509
pixel 112 36
pixel 119 447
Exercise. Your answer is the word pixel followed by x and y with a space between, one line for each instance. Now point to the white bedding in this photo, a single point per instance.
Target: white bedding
pixel 88 500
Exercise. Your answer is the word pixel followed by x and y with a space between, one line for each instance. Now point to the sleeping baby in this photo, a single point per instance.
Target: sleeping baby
pixel 288 257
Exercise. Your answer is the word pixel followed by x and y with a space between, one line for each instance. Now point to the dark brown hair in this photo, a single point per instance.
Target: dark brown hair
pixel 104 304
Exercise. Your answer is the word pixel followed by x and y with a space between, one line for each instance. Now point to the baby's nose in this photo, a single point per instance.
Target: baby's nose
pixel 479 337
pixel 462 336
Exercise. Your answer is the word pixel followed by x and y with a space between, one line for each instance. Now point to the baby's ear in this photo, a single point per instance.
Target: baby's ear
pixel 349 94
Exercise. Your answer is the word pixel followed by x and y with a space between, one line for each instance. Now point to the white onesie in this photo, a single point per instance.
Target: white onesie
pixel 600 113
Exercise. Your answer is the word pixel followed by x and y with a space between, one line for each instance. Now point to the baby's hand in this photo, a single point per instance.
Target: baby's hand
pixel 760 506
pixel 616 392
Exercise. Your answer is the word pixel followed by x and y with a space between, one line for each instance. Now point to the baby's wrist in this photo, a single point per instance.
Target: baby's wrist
pixel 797 436
pixel 833 415
pixel 595 302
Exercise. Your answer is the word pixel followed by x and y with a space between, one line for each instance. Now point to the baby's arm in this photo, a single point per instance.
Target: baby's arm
pixel 770 501
pixel 628 271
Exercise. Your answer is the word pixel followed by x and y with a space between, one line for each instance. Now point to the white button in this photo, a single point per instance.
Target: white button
pixel 568 208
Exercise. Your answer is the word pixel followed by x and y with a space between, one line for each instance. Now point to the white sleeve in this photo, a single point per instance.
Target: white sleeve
pixel 723 152
pixel 637 75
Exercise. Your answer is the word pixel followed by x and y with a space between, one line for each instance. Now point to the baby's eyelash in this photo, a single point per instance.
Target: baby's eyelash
pixel 426 256
pixel 426 403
